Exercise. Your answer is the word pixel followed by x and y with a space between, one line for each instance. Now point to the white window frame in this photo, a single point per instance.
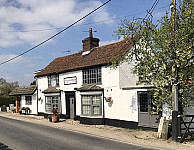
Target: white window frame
pixel 51 103
pixel 91 104
pixel 92 76
pixel 53 80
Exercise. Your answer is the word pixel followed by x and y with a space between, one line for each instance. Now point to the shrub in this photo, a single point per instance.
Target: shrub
pixel 6 100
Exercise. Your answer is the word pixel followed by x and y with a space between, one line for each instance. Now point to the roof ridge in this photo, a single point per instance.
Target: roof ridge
pixel 94 47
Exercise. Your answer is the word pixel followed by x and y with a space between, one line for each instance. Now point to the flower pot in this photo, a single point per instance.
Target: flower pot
pixel 54 119
pixel 50 119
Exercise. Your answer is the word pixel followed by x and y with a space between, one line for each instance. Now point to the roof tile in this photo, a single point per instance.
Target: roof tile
pixel 24 90
pixel 99 56
pixel 51 90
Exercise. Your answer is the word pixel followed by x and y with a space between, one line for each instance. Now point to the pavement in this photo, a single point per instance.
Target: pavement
pixel 135 137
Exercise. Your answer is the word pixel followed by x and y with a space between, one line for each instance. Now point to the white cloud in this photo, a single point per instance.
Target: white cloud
pixel 27 79
pixel 35 15
pixel 26 60
pixel 30 65
pixel 20 59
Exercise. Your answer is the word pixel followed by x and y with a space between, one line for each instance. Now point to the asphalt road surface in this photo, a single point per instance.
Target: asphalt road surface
pixel 19 135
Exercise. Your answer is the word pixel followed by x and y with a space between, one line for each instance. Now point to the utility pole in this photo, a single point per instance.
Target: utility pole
pixel 175 120
pixel 174 68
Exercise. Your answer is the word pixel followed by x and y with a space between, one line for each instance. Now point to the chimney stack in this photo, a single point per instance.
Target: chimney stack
pixel 90 42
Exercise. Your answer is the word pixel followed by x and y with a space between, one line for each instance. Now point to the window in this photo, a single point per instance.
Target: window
pixel 28 100
pixel 52 102
pixel 143 101
pixel 92 76
pixel 146 102
pixel 91 105
pixel 53 81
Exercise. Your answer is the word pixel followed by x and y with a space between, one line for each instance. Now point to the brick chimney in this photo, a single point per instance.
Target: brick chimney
pixel 90 42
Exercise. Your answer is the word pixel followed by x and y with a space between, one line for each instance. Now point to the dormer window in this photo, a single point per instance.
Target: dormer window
pixel 92 76
pixel 53 81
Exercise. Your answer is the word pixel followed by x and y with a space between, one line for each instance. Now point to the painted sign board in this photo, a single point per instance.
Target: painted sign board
pixel 70 80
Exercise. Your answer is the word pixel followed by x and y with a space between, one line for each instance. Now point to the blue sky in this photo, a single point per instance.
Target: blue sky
pixel 25 23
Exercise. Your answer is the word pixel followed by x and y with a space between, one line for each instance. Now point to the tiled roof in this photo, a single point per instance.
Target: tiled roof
pixel 90 88
pixel 51 90
pixel 99 56
pixel 24 90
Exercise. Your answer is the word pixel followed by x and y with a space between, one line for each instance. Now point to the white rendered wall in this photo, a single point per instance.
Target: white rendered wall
pixel 32 107
pixel 42 85
pixel 124 105
pixel 110 79
pixel 70 87
pixel 126 76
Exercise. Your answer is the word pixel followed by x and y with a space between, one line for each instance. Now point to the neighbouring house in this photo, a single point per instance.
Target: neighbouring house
pixel 84 87
pixel 26 97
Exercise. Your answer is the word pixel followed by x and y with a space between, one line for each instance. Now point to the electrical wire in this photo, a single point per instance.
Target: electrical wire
pixel 151 9
pixel 55 34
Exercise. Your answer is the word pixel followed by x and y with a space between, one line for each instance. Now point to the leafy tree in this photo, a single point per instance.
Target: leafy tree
pixel 5 89
pixel 2 81
pixel 158 48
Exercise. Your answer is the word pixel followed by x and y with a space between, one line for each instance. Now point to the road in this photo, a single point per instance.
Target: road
pixel 19 135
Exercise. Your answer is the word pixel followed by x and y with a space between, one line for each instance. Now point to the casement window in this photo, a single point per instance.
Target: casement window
pixel 28 100
pixel 91 105
pixel 53 81
pixel 143 101
pixel 92 76
pixel 52 102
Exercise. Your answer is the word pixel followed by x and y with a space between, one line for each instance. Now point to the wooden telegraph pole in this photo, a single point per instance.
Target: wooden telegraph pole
pixel 175 113
pixel 174 68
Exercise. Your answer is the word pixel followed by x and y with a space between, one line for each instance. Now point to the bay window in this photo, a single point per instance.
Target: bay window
pixel 91 105
pixel 52 102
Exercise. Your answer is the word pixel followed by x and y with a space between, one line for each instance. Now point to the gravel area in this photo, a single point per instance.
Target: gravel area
pixel 140 137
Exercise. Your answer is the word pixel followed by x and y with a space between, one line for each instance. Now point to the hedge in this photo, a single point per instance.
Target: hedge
pixel 6 100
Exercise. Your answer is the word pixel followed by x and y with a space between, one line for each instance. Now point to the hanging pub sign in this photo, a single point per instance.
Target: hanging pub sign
pixel 70 80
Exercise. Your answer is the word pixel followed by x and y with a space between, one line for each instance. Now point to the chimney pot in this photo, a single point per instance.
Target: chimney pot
pixel 90 32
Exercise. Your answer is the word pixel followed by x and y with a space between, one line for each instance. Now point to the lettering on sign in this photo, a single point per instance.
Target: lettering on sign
pixel 70 80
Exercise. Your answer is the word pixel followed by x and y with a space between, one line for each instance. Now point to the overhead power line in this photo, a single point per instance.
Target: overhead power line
pixel 55 34
pixel 149 13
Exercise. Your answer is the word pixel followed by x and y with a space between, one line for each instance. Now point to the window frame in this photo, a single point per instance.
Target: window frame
pixel 92 76
pixel 28 101
pixel 54 77
pixel 151 108
pixel 92 105
pixel 51 103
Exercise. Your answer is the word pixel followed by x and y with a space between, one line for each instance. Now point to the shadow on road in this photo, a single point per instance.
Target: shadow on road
pixel 4 147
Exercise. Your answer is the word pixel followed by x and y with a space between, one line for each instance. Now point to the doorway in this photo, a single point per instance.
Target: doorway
pixel 146 117
pixel 70 105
